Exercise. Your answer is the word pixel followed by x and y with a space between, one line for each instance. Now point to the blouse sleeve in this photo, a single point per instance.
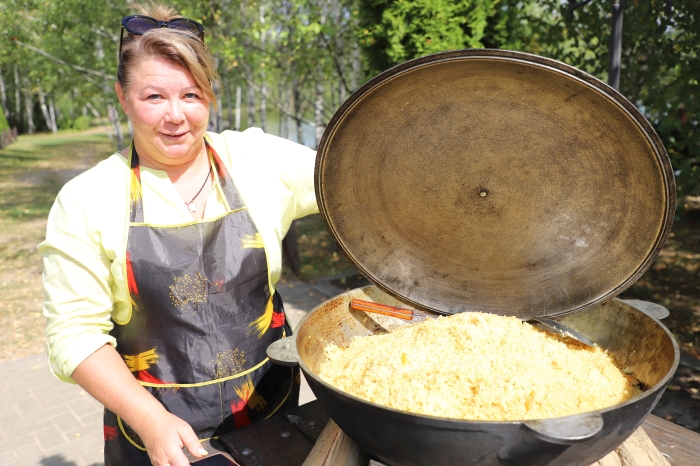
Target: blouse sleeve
pixel 77 282
pixel 293 164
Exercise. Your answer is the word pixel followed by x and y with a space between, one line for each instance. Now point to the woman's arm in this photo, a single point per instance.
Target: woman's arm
pixel 105 376
pixel 78 257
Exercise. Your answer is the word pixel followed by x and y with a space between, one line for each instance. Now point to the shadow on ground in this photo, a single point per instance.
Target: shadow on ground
pixel 59 460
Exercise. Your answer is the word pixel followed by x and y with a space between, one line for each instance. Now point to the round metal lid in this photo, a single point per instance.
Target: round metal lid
pixel 495 181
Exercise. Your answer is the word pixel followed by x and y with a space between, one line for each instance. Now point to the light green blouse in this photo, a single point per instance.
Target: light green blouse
pixel 88 225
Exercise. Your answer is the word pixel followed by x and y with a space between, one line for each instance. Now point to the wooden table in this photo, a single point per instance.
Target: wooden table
pixel 286 439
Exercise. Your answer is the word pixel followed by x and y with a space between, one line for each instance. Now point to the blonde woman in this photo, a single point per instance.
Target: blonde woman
pixel 160 263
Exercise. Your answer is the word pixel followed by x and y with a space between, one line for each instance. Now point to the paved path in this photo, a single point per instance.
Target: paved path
pixel 51 423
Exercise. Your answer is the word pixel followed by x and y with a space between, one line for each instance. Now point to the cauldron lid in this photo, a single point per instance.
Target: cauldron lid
pixel 496 181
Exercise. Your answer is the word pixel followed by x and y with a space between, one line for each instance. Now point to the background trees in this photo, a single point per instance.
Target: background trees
pixel 287 65
pixel 660 51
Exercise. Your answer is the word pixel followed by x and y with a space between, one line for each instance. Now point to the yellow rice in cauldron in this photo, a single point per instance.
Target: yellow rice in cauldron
pixel 477 366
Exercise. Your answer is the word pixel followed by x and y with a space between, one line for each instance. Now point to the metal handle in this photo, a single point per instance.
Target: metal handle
pixel 284 352
pixel 653 310
pixel 212 450
pixel 567 430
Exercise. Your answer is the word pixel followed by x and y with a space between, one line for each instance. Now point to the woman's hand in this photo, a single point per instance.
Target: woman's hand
pixel 105 376
pixel 164 435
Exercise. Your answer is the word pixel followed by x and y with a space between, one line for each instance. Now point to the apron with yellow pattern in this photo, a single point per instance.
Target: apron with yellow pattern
pixel 202 317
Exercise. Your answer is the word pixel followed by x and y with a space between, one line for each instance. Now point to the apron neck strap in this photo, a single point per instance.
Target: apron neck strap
pixel 222 178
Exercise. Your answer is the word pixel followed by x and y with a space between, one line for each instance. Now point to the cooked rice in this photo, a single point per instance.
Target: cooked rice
pixel 477 366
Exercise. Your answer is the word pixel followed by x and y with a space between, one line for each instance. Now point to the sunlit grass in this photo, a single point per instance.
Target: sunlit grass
pixel 32 169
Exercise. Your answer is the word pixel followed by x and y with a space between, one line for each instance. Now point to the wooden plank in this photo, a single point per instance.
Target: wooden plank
pixel 679 445
pixel 334 448
pixel 310 419
pixel 270 442
pixel 637 450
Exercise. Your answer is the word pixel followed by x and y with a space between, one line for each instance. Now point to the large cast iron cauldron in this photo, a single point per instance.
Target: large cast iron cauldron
pixel 494 181
pixel 635 339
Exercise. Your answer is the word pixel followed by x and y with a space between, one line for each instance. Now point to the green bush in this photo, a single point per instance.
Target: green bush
pixel 64 122
pixel 4 125
pixel 81 123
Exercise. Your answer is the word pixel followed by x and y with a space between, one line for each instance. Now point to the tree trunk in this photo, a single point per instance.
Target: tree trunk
pixel 333 97
pixel 29 108
pixel 45 110
pixel 318 110
pixel 263 87
pixel 336 12
pixel 280 124
pixel 237 124
pixel 217 116
pixel 211 126
pixel 342 96
pixel 17 99
pixel 263 104
pixel 297 112
pixel 251 105
pixel 113 115
pixel 220 111
pixel 287 118
pixel 356 68
pixel 94 111
pixel 52 115
pixel 229 105
pixel 3 95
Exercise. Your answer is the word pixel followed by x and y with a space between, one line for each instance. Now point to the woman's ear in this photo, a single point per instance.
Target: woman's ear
pixel 122 98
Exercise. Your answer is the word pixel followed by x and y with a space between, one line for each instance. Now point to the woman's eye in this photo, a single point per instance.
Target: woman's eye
pixel 191 95
pixel 153 97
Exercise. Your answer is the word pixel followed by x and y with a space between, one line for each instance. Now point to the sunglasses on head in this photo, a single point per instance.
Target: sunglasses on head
pixel 139 24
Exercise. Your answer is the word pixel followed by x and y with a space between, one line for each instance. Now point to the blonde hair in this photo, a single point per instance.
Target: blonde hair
pixel 176 46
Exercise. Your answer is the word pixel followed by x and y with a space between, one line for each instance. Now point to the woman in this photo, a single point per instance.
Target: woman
pixel 160 263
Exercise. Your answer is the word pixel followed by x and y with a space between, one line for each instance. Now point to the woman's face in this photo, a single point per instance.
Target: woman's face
pixel 168 111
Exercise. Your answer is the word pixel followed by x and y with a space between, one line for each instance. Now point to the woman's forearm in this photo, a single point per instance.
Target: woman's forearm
pixel 105 376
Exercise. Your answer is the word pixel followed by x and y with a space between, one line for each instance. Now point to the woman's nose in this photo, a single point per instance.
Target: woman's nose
pixel 174 113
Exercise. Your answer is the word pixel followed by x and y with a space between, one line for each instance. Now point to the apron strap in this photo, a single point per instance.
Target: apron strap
pixel 135 193
pixel 221 175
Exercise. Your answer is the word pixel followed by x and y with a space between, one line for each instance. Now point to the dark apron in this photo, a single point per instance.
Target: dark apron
pixel 202 317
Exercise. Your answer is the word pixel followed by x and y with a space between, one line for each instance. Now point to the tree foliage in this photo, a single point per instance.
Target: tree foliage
pixel 302 58
pixel 660 65
pixel 395 31
pixel 278 52
pixel 660 55
pixel 57 51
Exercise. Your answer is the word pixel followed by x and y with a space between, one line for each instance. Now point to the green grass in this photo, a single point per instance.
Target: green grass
pixel 33 169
